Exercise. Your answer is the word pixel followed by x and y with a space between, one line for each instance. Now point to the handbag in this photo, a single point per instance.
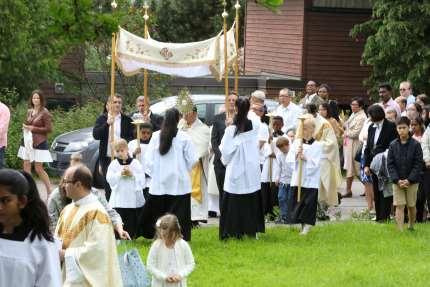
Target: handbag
pixel 133 271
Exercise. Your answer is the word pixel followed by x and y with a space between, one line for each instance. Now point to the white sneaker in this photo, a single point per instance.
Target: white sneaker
pixel 305 229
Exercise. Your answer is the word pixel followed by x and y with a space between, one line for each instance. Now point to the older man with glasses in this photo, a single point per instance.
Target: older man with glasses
pixel 405 89
pixel 288 110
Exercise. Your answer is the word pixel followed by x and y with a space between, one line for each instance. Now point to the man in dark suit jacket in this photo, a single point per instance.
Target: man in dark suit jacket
pixel 218 129
pixel 380 134
pixel 101 132
pixel 155 120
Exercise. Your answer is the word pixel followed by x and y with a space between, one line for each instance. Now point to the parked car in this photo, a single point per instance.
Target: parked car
pixel 82 140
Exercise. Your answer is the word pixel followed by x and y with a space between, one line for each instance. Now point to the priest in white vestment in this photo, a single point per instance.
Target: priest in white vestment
pixel 200 136
pixel 88 244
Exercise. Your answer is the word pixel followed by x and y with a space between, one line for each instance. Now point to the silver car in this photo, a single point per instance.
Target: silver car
pixel 82 140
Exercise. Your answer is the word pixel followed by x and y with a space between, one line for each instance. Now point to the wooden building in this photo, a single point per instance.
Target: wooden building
pixel 307 40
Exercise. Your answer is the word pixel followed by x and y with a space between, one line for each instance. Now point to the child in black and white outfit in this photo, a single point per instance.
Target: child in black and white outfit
pixel 304 211
pixel 138 152
pixel 126 178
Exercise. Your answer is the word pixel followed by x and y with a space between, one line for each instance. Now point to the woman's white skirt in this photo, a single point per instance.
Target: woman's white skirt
pixel 37 155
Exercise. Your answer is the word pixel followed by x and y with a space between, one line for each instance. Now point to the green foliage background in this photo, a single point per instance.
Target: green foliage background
pixel 397 43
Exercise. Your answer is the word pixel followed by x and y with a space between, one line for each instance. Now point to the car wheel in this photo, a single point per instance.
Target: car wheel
pixel 98 178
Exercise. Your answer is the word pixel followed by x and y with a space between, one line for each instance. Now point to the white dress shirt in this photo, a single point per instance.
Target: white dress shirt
pixel 378 128
pixel 289 114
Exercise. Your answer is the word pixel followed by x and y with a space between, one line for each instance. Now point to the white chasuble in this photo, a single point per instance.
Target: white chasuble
pixel 88 238
pixel 200 136
pixel 331 176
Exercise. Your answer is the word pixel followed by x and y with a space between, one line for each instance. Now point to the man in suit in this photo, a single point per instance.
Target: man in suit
pixel 147 115
pixel 380 134
pixel 219 125
pixel 123 128
pixel 311 96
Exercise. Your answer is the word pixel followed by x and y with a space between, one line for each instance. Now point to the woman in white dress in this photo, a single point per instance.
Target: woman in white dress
pixel 241 207
pixel 28 253
pixel 169 159
pixel 34 147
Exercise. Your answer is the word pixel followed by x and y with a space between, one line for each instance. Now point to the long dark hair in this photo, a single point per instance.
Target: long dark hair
pixel 241 121
pixel 34 214
pixel 169 129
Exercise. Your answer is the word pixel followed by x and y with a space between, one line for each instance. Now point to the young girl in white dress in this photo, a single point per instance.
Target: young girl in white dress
pixel 28 253
pixel 170 260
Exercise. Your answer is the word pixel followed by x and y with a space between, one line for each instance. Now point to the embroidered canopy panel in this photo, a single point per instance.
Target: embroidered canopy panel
pixel 195 59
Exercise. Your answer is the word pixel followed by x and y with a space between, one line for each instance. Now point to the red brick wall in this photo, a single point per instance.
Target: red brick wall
pixel 274 42
pixel 332 56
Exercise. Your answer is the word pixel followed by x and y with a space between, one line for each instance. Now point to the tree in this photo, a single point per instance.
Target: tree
pixel 36 34
pixel 397 43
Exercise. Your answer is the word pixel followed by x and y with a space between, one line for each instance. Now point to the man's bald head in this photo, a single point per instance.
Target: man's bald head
pixel 79 173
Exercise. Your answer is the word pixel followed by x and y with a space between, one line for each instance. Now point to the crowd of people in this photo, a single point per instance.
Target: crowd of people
pixel 179 172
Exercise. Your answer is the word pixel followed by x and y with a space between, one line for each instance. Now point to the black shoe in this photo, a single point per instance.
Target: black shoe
pixel 347 195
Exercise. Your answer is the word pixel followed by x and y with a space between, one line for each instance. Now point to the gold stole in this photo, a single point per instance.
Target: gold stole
pixel 196 178
pixel 68 232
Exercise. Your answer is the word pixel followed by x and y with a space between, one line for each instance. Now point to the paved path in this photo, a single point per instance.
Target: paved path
pixel 349 205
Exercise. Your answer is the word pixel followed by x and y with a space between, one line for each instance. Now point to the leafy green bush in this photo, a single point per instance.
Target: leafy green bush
pixel 62 121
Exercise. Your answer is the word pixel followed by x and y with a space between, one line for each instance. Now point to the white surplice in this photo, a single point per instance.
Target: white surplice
pixel 132 146
pixel 170 172
pixel 126 190
pixel 26 263
pixel 310 166
pixel 240 155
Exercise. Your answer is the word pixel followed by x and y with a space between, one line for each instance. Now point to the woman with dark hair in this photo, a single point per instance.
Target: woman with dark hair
pixel 417 128
pixel 414 111
pixel 380 134
pixel 426 115
pixel 328 112
pixel 169 159
pixel 241 208
pixel 34 147
pixel 351 142
pixel 28 253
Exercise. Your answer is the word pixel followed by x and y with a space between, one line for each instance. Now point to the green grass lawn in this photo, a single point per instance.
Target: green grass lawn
pixel 343 254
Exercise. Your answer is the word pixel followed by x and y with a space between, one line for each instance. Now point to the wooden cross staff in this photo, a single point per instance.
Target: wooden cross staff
pixel 270 115
pixel 300 139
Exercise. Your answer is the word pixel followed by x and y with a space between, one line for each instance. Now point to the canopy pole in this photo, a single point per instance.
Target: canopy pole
pixel 236 62
pixel 112 87
pixel 224 16
pixel 145 71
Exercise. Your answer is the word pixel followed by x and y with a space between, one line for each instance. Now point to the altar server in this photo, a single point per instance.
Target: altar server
pixel 171 156
pixel 28 254
pixel 126 178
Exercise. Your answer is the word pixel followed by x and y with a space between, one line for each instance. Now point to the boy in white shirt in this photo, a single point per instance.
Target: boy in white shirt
pixel 304 210
pixel 283 179
pixel 126 178
pixel 138 151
